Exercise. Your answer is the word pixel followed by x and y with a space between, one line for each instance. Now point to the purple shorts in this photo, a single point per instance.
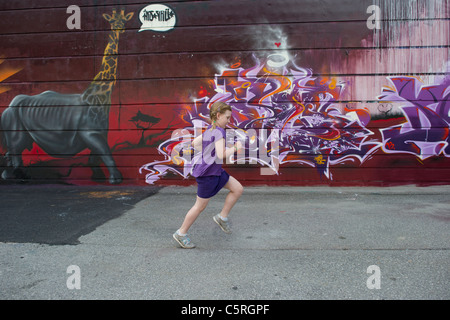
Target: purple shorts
pixel 208 186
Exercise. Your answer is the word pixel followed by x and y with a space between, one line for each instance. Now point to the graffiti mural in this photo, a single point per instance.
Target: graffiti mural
pixel 427 111
pixel 279 97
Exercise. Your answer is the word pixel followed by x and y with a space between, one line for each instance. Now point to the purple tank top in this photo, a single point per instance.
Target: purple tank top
pixel 208 164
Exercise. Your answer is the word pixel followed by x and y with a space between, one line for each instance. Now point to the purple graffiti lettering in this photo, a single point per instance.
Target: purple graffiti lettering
pixel 298 110
pixel 426 109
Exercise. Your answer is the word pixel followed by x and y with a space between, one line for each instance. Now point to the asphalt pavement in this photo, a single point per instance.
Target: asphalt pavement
pixel 288 243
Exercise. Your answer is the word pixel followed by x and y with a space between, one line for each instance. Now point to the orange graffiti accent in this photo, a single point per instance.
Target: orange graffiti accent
pixel 285 84
pixel 390 145
pixel 332 82
pixel 240 117
pixel 323 81
pixel 388 88
pixel 175 155
pixel 5 73
pixel 363 114
pixel 332 85
pixel 299 108
pixel 4 89
pixel 333 134
pixel 319 159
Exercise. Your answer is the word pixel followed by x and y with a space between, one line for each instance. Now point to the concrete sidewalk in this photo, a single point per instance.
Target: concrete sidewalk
pixel 287 243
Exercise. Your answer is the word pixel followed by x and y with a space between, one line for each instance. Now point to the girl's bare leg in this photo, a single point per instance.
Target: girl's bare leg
pixel 193 213
pixel 233 196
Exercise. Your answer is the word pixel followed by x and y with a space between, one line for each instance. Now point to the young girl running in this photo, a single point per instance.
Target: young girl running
pixel 210 175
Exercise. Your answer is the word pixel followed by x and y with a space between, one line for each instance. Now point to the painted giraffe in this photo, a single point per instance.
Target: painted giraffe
pixel 63 125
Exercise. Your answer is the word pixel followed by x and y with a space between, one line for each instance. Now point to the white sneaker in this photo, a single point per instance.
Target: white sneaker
pixel 224 225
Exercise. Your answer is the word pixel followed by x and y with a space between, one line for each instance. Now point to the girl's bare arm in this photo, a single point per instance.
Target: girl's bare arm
pixel 223 152
pixel 197 143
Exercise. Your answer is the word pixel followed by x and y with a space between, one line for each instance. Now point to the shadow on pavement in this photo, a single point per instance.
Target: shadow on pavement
pixel 61 214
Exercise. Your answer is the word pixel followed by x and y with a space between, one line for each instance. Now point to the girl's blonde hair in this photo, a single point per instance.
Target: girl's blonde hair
pixel 217 107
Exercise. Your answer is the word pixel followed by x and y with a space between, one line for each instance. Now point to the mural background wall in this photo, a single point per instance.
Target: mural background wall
pixel 355 92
